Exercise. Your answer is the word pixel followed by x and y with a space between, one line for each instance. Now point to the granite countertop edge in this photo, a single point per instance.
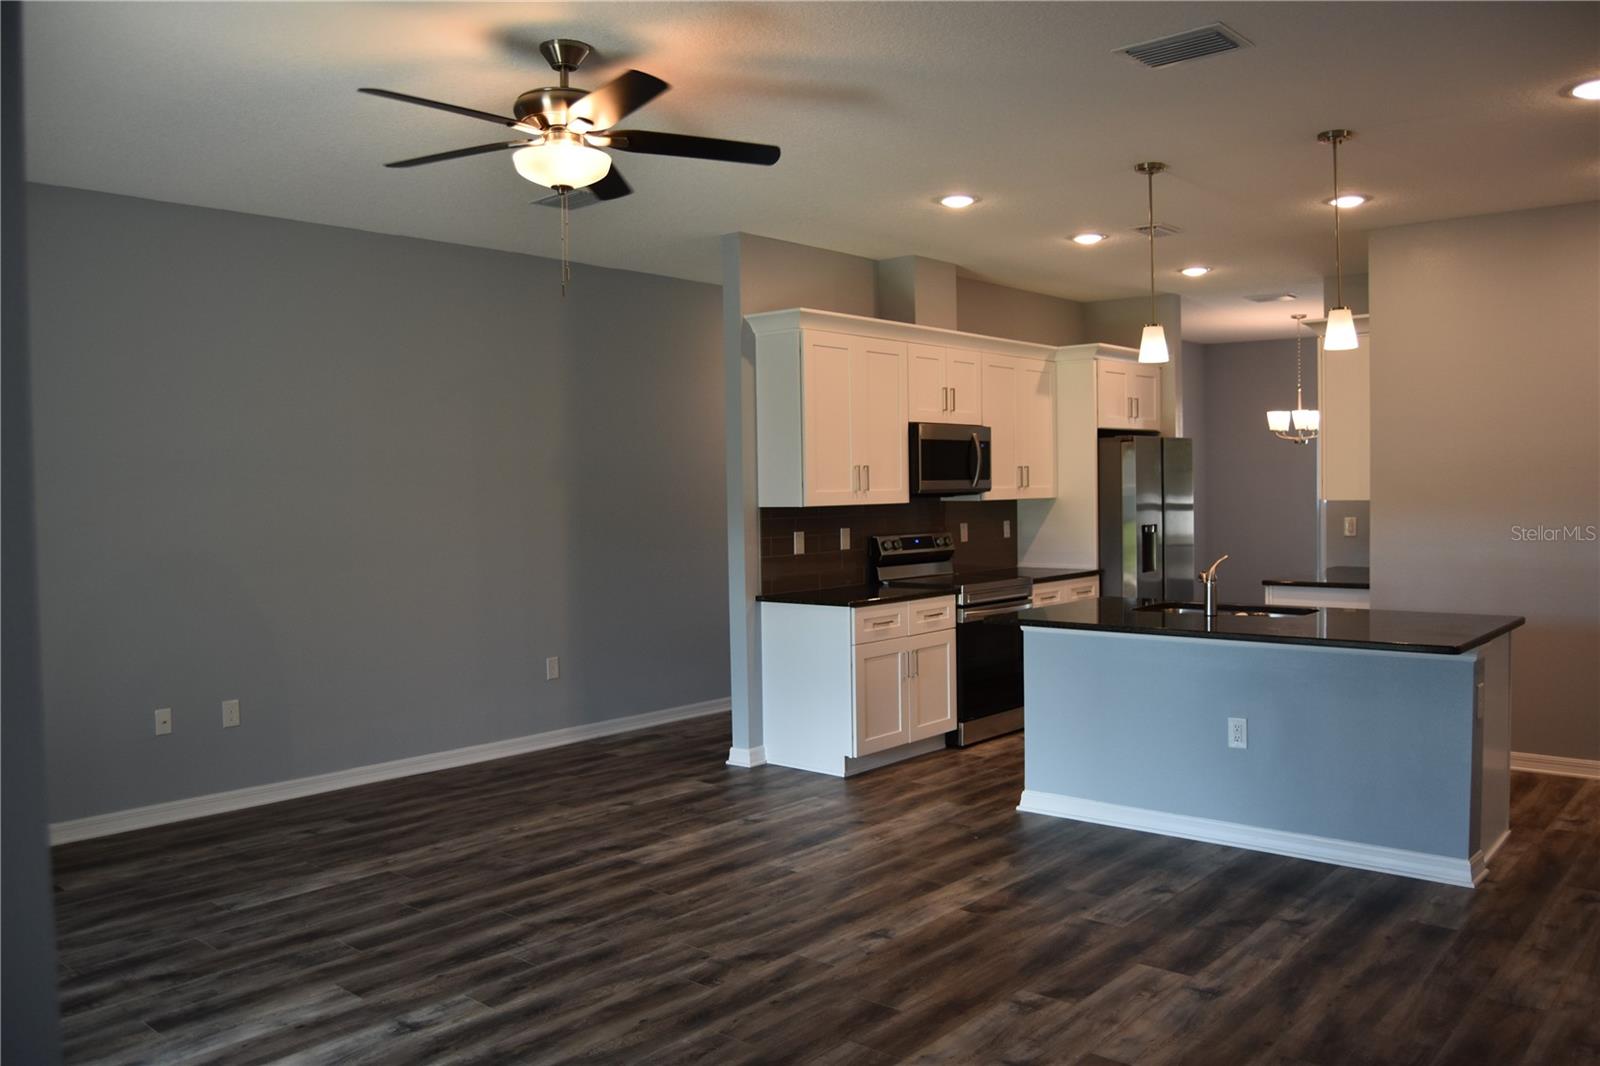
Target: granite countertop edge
pixel 1253 630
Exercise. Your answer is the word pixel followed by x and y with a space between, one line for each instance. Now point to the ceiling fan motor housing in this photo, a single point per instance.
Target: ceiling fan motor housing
pixel 552 102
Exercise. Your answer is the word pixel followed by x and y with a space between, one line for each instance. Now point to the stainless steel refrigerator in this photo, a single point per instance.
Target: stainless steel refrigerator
pixel 1147 518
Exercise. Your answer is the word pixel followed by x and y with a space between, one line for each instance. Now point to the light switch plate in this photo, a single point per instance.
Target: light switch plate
pixel 799 543
pixel 963 532
pixel 552 668
pixel 1005 528
pixel 163 721
pixel 1350 525
pixel 844 538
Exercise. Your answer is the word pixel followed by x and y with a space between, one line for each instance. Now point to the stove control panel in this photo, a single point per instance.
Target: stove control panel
pixel 921 545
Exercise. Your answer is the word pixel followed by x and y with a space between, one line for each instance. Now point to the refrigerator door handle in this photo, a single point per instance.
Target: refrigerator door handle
pixel 1147 549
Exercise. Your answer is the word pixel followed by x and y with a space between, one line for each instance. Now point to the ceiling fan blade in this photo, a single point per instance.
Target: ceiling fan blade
pixel 682 144
pixel 459 153
pixel 610 187
pixel 405 98
pixel 607 105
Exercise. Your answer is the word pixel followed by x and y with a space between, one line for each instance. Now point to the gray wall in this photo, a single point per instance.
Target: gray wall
pixel 762 274
pixel 1485 388
pixel 365 484
pixel 1257 495
pixel 28 1024
pixel 999 311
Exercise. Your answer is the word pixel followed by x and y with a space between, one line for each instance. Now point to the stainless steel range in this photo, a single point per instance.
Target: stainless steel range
pixel 988 657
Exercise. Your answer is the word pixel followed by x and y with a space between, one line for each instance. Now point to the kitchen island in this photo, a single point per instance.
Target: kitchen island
pixel 1373 739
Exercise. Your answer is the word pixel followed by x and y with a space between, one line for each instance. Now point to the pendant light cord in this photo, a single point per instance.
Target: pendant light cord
pixel 1150 184
pixel 1338 251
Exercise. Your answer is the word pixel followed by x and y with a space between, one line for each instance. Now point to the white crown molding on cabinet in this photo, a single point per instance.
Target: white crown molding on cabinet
pixel 100 825
pixel 1099 350
pixel 1465 873
pixel 767 323
pixel 1559 765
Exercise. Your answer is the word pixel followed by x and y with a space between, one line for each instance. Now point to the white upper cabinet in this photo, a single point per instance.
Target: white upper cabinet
pixel 879 442
pixel 835 394
pixel 1019 407
pixel 831 420
pixel 1128 395
pixel 946 384
pixel 1036 410
pixel 1001 415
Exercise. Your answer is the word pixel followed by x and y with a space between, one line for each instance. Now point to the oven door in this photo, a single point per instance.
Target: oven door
pixel 949 460
pixel 988 674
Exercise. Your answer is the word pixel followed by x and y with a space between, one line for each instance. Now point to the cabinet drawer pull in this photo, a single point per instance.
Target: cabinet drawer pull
pixel 881 622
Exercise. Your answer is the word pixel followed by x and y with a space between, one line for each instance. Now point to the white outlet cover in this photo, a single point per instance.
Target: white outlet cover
pixel 230 714
pixel 1005 528
pixel 1350 525
pixel 1238 733
pixel 552 668
pixel 963 532
pixel 799 543
pixel 163 721
pixel 844 538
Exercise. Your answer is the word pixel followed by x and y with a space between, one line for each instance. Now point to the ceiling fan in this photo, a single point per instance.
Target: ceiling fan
pixel 564 130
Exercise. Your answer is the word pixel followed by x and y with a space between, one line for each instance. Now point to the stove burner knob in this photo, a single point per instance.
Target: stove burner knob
pixel 894 545
pixel 944 542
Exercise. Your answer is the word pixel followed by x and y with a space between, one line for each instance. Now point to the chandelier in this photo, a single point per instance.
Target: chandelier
pixel 1302 424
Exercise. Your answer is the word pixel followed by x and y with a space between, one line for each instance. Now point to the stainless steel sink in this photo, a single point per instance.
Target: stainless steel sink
pixel 1225 610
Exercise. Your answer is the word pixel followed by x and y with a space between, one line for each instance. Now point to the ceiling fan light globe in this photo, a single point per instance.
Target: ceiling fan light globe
pixel 1153 345
pixel 561 161
pixel 1340 335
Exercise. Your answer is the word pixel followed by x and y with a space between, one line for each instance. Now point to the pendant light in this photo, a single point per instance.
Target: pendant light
pixel 1301 425
pixel 1153 342
pixel 1340 334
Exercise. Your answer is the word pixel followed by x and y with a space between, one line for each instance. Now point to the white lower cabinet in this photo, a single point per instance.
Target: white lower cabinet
pixel 1047 593
pixel 842 685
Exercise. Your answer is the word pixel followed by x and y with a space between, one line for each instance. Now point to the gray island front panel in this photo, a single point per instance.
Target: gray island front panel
pixel 1370 747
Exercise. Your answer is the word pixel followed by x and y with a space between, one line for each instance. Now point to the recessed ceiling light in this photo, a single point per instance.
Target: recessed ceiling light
pixel 1586 90
pixel 958 200
pixel 1349 199
pixel 1088 238
pixel 1195 271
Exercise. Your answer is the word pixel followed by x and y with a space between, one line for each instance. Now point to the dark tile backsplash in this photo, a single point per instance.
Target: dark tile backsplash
pixel 824 565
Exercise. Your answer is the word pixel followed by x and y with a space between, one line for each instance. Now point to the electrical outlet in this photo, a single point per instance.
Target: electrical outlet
pixel 844 538
pixel 552 668
pixel 1005 529
pixel 230 714
pixel 1350 525
pixel 963 532
pixel 163 721
pixel 1237 736
pixel 799 543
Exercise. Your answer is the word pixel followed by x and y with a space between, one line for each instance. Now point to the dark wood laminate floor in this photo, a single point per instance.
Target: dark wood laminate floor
pixel 634 900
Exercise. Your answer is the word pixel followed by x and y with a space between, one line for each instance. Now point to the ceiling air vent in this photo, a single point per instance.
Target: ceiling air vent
pixel 1272 297
pixel 1163 229
pixel 1181 47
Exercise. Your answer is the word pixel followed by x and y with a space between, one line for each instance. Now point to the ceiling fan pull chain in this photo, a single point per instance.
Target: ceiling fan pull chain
pixel 566 246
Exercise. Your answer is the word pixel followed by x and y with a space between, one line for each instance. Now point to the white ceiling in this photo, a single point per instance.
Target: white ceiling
pixel 879 107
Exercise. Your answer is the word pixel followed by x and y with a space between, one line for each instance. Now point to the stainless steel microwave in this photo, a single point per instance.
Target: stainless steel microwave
pixel 949 460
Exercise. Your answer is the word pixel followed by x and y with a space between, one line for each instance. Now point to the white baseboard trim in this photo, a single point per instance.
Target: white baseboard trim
pixel 747 757
pixel 100 825
pixel 1420 865
pixel 1561 765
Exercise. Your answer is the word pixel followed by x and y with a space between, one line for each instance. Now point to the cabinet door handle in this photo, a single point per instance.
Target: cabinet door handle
pixel 855 478
pixel 916 661
pixel 866 478
pixel 949 401
pixel 952 397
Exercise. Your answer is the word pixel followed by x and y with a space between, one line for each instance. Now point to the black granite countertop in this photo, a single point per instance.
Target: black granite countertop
pixel 1333 627
pixel 1336 577
pixel 856 595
